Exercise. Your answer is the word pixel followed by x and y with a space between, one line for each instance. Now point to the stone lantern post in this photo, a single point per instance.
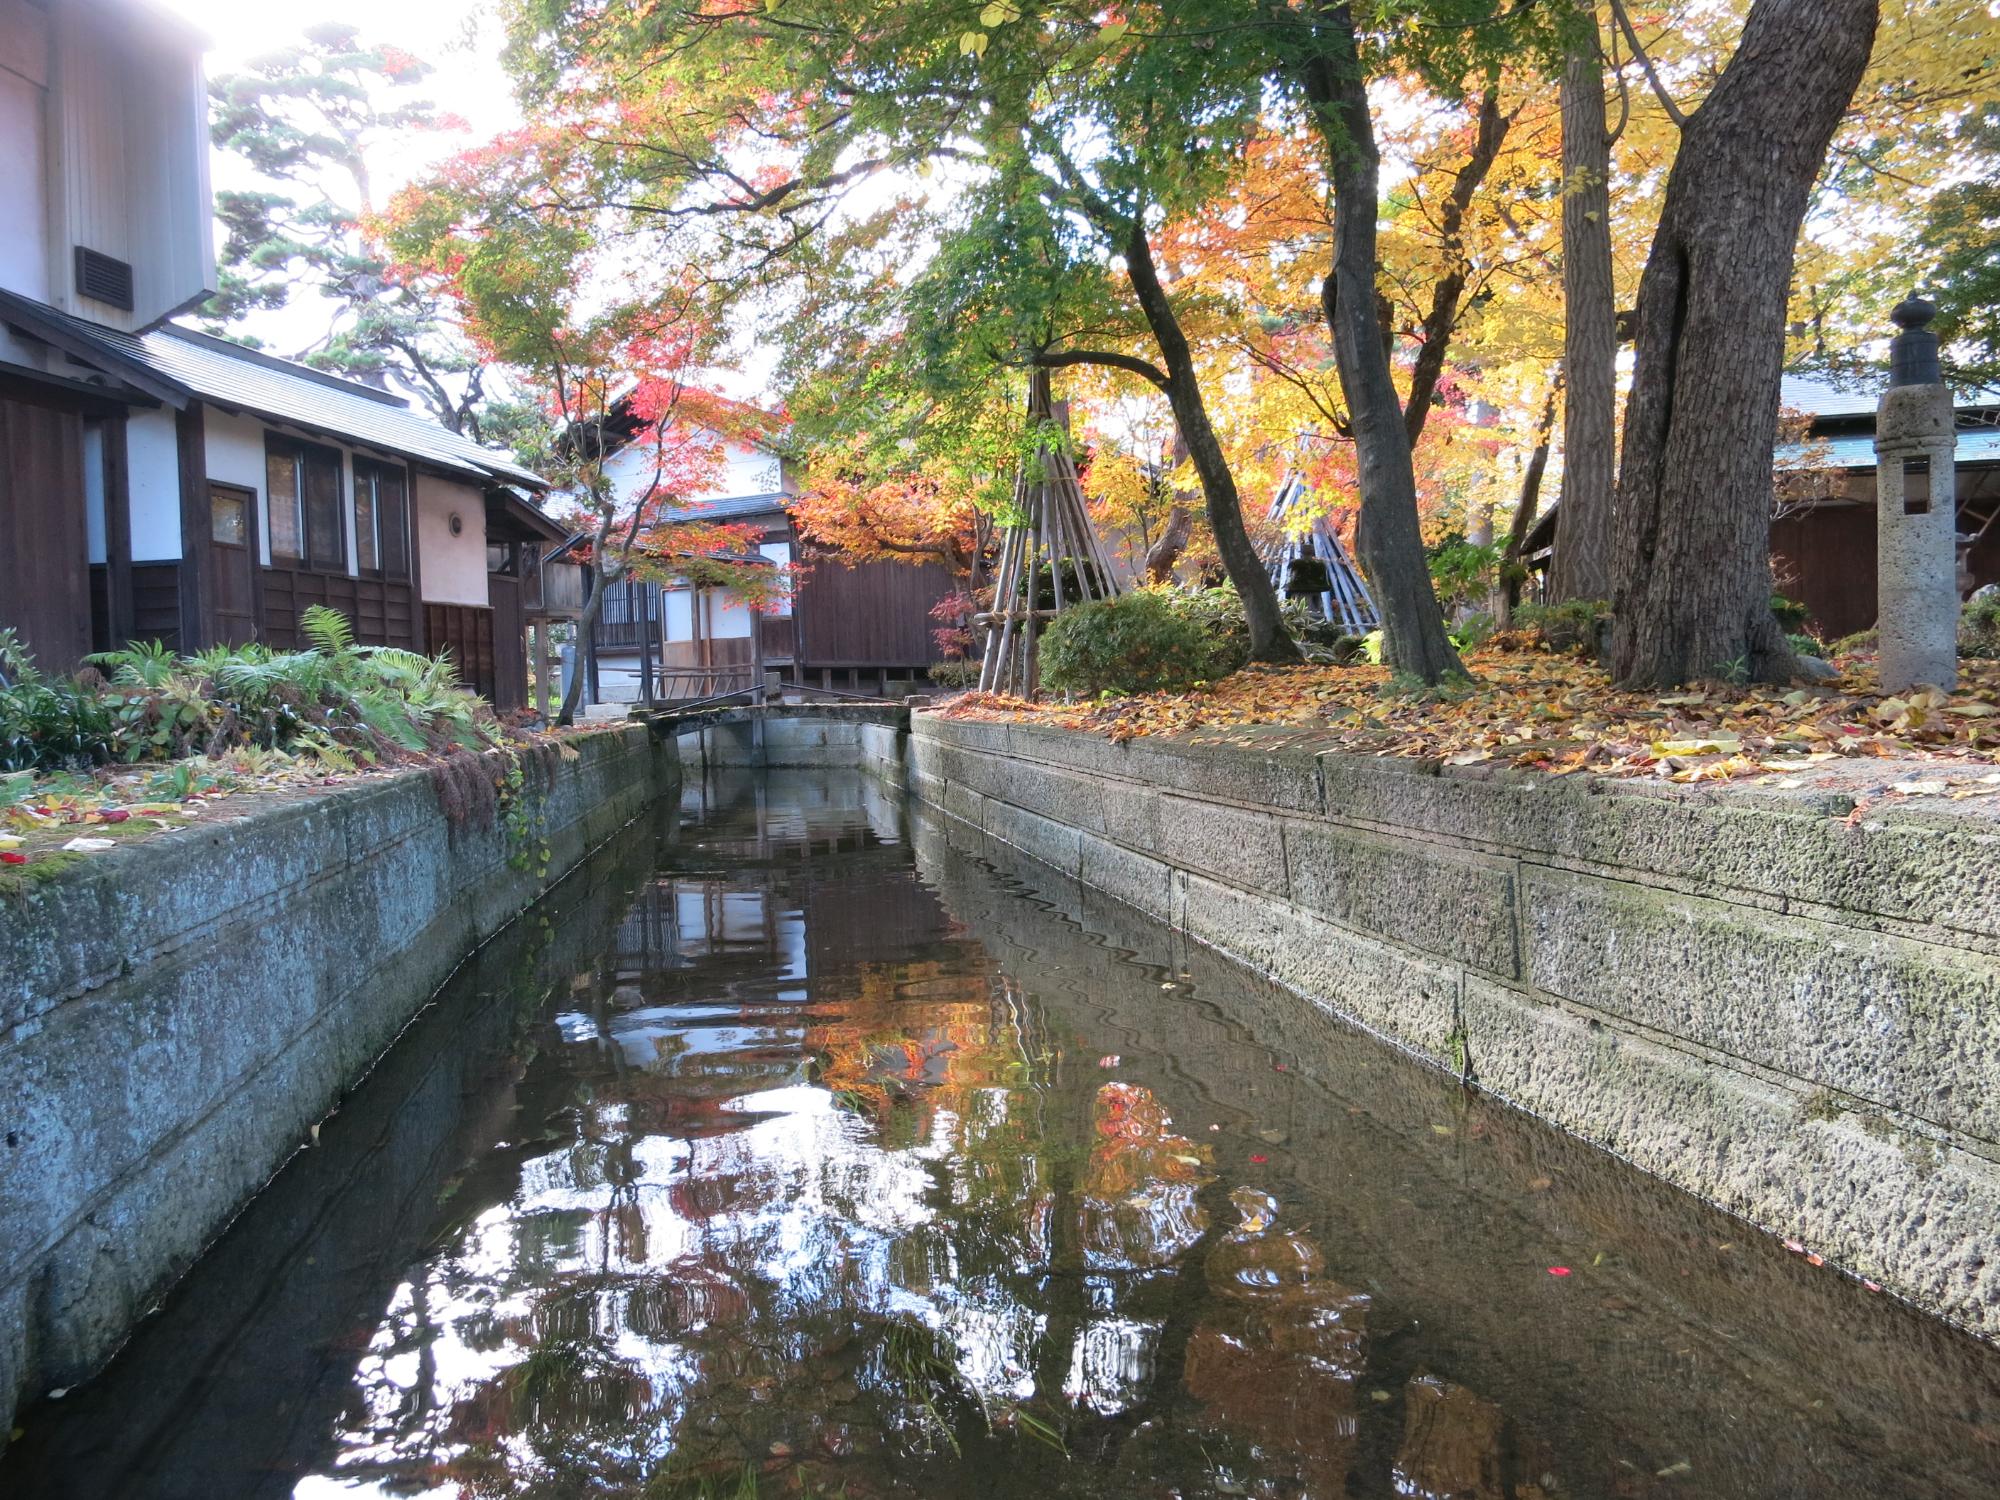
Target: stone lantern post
pixel 1916 512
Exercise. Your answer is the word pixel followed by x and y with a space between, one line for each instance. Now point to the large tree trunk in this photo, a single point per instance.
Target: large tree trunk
pixel 1269 640
pixel 1581 568
pixel 1694 488
pixel 1389 535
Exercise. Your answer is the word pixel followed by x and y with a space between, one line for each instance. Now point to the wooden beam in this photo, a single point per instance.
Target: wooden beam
pixel 196 577
pixel 117 533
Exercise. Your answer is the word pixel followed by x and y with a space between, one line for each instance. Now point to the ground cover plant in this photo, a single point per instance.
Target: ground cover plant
pixel 143 738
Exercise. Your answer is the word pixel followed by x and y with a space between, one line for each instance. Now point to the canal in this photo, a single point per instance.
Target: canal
pixel 790 1150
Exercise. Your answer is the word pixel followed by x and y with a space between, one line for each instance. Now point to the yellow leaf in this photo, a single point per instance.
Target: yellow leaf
pixel 999 13
pixel 1972 710
pixel 972 44
pixel 1714 744
pixel 1112 31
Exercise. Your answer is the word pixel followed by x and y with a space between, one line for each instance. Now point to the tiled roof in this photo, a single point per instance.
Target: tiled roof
pixel 1977 445
pixel 178 361
pixel 731 507
pixel 1820 397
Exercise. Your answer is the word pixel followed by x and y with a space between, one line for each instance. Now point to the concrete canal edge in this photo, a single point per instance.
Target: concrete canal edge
pixel 1733 989
pixel 176 1016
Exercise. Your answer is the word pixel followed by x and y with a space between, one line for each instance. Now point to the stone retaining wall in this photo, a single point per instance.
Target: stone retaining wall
pixel 1791 1014
pixel 176 1016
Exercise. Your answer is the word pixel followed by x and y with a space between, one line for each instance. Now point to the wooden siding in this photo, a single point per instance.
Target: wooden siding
pixel 382 614
pixel 874 614
pixel 1825 558
pixel 44 554
pixel 510 643
pixel 156 603
pixel 466 631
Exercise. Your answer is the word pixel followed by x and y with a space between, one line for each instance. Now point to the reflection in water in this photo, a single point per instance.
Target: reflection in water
pixel 769 1164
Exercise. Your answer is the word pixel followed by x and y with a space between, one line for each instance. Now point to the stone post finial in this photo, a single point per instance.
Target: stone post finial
pixel 1913 353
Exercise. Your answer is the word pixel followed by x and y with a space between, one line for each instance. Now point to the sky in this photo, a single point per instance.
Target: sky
pixel 461 40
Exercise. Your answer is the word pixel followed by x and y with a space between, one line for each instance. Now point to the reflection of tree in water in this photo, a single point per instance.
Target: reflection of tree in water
pixel 806 1186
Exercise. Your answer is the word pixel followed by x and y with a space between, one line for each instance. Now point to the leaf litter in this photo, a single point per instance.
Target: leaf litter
pixel 1561 715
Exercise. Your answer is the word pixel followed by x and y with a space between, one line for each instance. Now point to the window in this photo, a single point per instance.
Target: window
pixel 228 516
pixel 1916 486
pixel 308 521
pixel 780 554
pixel 381 519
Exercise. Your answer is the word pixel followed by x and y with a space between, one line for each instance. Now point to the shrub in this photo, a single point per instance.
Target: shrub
pixel 1791 614
pixel 1979 625
pixel 1570 627
pixel 1861 640
pixel 1462 571
pixel 1142 642
pixel 1806 645
pixel 954 675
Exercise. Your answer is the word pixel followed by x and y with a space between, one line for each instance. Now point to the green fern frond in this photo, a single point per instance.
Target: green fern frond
pixel 327 629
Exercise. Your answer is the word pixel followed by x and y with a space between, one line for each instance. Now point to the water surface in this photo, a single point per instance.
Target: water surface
pixel 790 1150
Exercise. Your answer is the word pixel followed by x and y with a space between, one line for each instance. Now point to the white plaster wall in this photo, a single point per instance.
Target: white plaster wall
pixel 454 567
pixel 24 206
pixel 152 462
pixel 745 470
pixel 235 447
pixel 728 616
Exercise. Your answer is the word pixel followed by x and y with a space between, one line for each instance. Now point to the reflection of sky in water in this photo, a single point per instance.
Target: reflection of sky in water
pixel 782 1145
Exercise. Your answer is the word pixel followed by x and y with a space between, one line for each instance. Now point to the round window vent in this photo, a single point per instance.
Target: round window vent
pixel 457 523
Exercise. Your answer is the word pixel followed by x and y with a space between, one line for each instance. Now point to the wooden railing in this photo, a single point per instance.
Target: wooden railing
pixel 672 684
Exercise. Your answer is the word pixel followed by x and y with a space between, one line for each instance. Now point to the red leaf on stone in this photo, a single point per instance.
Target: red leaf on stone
pixel 1559 1270
pixel 1259 1160
pixel 9 857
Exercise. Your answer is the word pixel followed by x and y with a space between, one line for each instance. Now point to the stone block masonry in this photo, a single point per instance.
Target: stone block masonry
pixel 1792 1014
pixel 175 1016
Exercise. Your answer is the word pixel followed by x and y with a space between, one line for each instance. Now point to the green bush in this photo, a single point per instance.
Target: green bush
pixel 952 675
pixel 336 699
pixel 1462 571
pixel 1791 614
pixel 1569 627
pixel 1144 642
pixel 1979 626
pixel 1806 645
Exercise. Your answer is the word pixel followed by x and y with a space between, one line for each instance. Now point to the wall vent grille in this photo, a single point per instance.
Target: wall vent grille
pixel 103 278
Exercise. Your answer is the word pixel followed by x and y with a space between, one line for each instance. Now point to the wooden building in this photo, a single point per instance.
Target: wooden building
pixel 1823 524
pixel 1823 538
pixel 855 626
pixel 160 484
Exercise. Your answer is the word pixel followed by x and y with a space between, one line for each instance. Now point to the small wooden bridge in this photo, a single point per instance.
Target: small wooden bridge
pixel 766 727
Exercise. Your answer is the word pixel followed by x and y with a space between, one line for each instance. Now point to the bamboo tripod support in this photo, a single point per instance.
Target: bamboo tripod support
pixel 1345 601
pixel 1053 552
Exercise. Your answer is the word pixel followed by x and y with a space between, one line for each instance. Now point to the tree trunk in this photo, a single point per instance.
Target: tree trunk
pixel 1165 552
pixel 585 625
pixel 1269 640
pixel 1507 592
pixel 1441 318
pixel 1694 489
pixel 1581 568
pixel 1389 535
